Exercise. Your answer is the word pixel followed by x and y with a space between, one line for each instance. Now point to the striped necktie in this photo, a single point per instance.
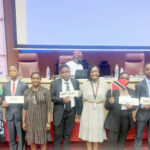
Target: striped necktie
pixel 68 105
pixel 13 89
pixel 67 86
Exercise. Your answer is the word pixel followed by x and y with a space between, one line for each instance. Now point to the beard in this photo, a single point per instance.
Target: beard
pixel 79 61
pixel 148 76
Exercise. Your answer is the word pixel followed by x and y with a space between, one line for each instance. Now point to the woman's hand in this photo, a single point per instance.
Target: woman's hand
pixel 24 126
pixel 5 104
pixel 48 126
pixel 111 100
pixel 78 117
pixel 128 106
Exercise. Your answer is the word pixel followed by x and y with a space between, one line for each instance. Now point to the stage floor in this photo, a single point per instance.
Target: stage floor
pixel 82 146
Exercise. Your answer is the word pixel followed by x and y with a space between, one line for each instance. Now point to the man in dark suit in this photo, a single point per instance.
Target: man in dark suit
pixel 13 113
pixel 143 112
pixel 64 112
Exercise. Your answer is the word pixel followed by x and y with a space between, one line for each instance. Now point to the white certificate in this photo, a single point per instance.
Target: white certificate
pixel 14 99
pixel 145 100
pixel 69 93
pixel 128 100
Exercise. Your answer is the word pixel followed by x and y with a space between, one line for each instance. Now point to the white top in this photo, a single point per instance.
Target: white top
pixel 93 116
pixel 74 66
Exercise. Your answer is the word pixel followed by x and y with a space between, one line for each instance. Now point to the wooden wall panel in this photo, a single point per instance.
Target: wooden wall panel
pixel 12 55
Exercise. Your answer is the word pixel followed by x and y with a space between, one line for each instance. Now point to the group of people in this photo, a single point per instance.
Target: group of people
pixel 34 116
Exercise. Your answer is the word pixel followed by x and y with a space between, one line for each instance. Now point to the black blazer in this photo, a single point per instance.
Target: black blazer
pixel 14 109
pixel 55 89
pixel 141 90
pixel 112 121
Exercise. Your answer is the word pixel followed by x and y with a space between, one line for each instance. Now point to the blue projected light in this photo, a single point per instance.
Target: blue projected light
pixel 96 25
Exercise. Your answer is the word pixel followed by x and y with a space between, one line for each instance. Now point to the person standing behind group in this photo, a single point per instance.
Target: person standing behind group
pixel 92 119
pixel 36 115
pixel 13 113
pixel 64 112
pixel 143 113
pixel 119 118
pixel 75 64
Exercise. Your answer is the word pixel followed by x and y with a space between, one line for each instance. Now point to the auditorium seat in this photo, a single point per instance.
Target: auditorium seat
pixel 64 58
pixel 28 63
pixel 134 63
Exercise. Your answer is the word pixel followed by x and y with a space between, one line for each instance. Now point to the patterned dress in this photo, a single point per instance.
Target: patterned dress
pixel 93 117
pixel 37 105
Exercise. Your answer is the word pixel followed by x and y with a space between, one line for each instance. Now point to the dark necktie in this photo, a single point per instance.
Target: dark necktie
pixel 67 86
pixel 68 105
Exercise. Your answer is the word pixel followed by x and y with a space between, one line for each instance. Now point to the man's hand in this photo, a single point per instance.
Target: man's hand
pixel 128 106
pixel 111 100
pixel 66 99
pixel 5 104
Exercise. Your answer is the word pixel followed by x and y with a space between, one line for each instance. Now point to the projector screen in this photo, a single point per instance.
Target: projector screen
pixel 82 24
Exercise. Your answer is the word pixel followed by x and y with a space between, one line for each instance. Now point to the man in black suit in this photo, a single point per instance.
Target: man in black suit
pixel 64 112
pixel 13 113
pixel 143 112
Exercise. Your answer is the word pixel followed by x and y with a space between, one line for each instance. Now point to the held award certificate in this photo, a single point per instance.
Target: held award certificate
pixel 14 99
pixel 71 94
pixel 128 100
pixel 145 100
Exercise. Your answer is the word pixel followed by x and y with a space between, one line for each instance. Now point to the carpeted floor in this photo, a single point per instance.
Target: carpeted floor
pixel 82 146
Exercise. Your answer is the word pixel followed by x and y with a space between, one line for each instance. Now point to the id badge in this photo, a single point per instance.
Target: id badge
pixel 94 105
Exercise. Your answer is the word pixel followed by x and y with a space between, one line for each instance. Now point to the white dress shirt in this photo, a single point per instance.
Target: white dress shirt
pixel 64 87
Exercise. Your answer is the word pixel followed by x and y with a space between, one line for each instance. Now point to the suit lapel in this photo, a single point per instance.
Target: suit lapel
pixel 117 94
pixel 9 88
pixel 146 88
pixel 18 87
pixel 59 85
pixel 73 83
